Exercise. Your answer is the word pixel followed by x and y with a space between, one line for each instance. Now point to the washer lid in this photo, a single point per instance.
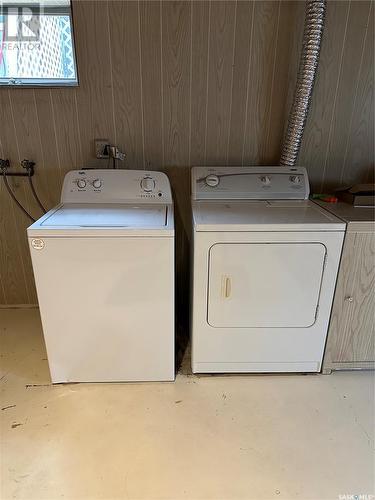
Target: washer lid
pixel 107 215
pixel 284 215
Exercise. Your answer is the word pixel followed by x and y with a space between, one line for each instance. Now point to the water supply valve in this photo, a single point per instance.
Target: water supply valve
pixel 4 165
pixel 28 165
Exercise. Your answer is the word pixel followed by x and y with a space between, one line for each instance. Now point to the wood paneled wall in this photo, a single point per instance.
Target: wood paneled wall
pixel 178 83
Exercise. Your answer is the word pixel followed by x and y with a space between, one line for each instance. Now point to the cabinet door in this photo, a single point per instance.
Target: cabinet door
pixel 351 334
pixel 264 285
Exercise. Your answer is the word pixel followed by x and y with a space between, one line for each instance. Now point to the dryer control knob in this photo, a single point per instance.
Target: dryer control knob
pixel 147 184
pixel 212 180
pixel 266 179
pixel 81 183
pixel 97 183
pixel 295 179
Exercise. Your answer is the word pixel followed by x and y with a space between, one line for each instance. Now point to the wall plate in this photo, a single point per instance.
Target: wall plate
pixel 100 145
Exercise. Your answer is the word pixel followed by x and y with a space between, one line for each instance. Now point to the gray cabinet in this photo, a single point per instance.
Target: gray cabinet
pixel 350 340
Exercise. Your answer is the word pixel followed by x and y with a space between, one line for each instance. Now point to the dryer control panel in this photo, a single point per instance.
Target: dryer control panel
pixel 249 183
pixel 116 186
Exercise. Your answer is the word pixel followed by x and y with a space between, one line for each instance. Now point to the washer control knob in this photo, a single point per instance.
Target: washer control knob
pixel 295 179
pixel 147 184
pixel 81 183
pixel 212 180
pixel 97 183
pixel 266 179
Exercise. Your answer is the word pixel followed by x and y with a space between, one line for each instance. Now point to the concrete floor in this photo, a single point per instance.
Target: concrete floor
pixel 213 437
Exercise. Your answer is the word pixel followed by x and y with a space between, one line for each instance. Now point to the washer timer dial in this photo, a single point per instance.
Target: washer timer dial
pixel 148 184
pixel 81 183
pixel 212 180
pixel 295 179
pixel 266 180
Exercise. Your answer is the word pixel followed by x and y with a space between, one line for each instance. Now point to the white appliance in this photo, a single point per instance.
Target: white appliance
pixel 103 262
pixel 265 261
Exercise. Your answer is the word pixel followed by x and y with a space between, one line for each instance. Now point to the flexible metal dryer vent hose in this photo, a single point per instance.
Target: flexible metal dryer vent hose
pixel 312 39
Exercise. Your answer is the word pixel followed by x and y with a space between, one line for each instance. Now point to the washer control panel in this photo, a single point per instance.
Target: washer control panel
pixel 115 186
pixel 257 183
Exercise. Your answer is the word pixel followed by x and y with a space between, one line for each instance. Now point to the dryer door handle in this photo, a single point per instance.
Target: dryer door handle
pixel 227 286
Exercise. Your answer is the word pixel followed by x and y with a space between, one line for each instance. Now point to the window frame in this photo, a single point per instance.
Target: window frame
pixel 22 83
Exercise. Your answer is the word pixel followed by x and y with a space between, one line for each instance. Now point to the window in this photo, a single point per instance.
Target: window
pixel 37 46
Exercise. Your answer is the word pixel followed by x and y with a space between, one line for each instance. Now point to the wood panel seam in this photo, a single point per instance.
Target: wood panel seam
pixel 78 127
pixel 162 80
pixel 55 133
pixel 335 98
pixel 20 254
pixel 248 81
pixel 273 74
pixel 231 85
pixel 1 188
pixel 111 73
pixel 141 81
pixel 40 140
pixel 208 75
pixel 191 78
pixel 355 96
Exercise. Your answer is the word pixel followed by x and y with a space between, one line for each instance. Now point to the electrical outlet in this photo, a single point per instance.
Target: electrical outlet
pixel 100 148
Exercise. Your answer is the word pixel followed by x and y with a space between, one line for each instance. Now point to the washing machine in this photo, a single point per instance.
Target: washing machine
pixel 265 261
pixel 103 262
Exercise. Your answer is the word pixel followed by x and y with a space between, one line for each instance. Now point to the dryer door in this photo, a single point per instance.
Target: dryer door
pixel 264 285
